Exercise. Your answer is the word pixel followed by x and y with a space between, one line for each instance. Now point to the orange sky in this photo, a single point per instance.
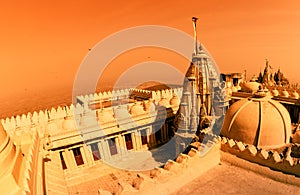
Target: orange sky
pixel 43 44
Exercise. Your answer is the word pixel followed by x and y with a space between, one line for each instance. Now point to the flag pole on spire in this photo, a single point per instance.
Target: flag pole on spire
pixel 194 19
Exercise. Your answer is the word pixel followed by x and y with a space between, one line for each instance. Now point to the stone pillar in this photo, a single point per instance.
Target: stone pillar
pixel 137 136
pixel 69 159
pixel 153 139
pixel 150 135
pixel 133 141
pixel 117 142
pixel 122 145
pixel 82 152
pixel 104 149
pixel 100 147
pixel 147 134
pixel 88 154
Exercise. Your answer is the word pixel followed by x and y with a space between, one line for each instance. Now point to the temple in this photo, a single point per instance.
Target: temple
pixel 150 140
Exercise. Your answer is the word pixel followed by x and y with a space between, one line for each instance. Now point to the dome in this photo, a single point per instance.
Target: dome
pixel 295 95
pixel 174 101
pixel 250 87
pixel 89 118
pixel 137 109
pixel 149 106
pixel 258 121
pixel 284 93
pixel 69 123
pixel 121 112
pixel 275 92
pixel 105 115
pixel 52 128
pixel 164 102
pixel 234 89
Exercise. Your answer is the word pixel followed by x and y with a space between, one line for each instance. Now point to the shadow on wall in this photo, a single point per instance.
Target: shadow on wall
pixel 169 143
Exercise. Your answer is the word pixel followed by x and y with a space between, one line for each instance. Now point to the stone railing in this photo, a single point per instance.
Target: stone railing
pixel 280 161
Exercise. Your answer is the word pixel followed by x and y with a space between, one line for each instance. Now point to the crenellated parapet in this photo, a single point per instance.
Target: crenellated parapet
pixel 104 96
pixel 118 94
pixel 17 126
pixel 281 159
pixel 62 118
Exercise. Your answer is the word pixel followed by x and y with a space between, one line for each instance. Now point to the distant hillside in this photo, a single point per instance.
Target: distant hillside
pixel 154 85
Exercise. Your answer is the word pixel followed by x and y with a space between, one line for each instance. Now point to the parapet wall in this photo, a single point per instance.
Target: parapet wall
pixel 283 91
pixel 116 94
pixel 23 124
pixel 283 162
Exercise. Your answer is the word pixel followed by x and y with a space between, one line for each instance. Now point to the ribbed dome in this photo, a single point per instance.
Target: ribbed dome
pixel 259 121
pixel 250 87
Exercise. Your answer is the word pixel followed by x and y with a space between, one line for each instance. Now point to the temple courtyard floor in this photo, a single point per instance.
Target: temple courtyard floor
pixel 230 179
pixel 232 176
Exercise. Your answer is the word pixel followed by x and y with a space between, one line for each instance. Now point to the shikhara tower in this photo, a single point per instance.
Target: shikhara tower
pixel 198 88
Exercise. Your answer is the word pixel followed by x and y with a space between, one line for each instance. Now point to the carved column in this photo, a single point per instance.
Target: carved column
pixel 69 159
pixel 137 137
pixel 122 145
pixel 88 154
pixel 104 149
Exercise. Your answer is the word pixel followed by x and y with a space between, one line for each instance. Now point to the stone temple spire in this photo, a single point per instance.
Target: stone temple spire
pixel 266 77
pixel 198 87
